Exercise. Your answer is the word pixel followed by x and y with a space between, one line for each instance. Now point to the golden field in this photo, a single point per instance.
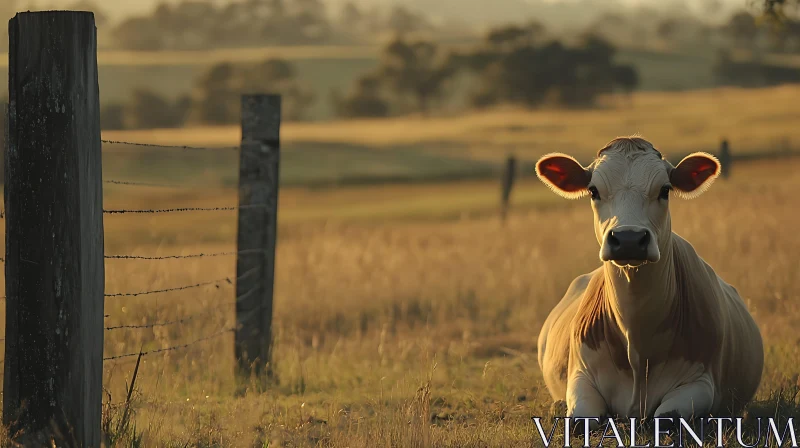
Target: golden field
pixel 407 315
pixel 397 332
pixel 677 122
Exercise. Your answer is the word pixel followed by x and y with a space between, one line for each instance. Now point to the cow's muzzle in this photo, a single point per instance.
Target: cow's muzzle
pixel 629 246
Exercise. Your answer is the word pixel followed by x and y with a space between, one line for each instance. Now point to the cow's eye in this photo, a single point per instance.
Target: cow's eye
pixel 595 194
pixel 664 193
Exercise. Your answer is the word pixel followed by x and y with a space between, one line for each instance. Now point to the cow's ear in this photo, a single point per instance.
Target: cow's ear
pixel 564 175
pixel 694 174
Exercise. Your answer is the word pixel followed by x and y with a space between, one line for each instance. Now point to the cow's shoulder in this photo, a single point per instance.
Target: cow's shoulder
pixel 580 283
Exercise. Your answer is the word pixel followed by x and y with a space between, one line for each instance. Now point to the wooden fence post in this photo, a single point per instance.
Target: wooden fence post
pixel 3 139
pixel 257 232
pixel 54 231
pixel 509 174
pixel 725 159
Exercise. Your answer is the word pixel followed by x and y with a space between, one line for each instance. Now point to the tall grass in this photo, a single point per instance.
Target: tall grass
pixel 418 332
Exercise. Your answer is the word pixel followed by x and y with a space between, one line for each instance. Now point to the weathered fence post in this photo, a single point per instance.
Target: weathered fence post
pixel 54 231
pixel 257 232
pixel 725 159
pixel 509 174
pixel 3 139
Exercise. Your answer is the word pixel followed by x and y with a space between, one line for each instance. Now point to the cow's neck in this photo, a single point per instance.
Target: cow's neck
pixel 640 298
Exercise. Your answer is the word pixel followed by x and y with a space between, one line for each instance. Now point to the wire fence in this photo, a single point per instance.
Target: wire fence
pixel 216 283
pixel 184 147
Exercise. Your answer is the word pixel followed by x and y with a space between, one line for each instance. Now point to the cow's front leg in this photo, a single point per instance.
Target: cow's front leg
pixel 584 401
pixel 689 400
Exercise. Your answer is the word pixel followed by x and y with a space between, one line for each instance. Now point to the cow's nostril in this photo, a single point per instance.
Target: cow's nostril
pixel 612 240
pixel 645 240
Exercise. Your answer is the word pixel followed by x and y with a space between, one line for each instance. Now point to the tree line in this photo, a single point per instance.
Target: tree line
pixel 512 65
pixel 201 25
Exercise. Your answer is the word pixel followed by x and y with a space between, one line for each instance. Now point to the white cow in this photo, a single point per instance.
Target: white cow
pixel 654 331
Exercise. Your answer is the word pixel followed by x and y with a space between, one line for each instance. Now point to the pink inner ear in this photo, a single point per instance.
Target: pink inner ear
pixel 693 172
pixel 564 174
pixel 703 171
pixel 555 172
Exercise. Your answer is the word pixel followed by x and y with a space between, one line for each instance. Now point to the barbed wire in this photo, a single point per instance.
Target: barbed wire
pixel 167 257
pixel 185 209
pixel 142 184
pixel 186 147
pixel 175 347
pixel 177 288
pixel 187 318
pixel 172 322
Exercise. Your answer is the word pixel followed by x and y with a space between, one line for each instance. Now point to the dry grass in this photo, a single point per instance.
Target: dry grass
pixel 417 332
pixel 752 119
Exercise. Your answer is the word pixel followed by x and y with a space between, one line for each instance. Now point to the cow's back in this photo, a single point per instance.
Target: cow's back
pixel 554 338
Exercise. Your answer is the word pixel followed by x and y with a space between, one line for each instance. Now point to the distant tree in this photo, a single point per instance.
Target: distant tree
pixel 365 100
pixel 403 21
pixel 279 76
pixel 213 96
pixel 148 110
pixel 742 28
pixel 513 36
pixel 310 18
pixel 626 77
pixel 415 69
pixel 774 8
pixel 217 93
pixel 515 69
pixel 667 28
pixel 112 116
pixel 139 34
pixel 194 24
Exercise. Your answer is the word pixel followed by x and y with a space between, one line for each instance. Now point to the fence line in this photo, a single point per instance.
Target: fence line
pixel 176 347
pixel 177 288
pixel 183 319
pixel 182 209
pixel 167 257
pixel 171 322
pixel 185 147
pixel 181 288
pixel 142 184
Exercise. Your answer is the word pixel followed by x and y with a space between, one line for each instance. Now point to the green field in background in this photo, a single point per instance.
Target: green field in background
pixel 323 74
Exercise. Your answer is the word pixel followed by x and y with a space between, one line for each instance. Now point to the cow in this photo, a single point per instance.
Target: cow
pixel 654 331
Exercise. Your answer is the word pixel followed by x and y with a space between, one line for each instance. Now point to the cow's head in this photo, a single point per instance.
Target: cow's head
pixel 629 184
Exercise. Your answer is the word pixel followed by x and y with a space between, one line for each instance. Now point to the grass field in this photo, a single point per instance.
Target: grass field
pixel 407 315
pixel 415 149
pixel 417 331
